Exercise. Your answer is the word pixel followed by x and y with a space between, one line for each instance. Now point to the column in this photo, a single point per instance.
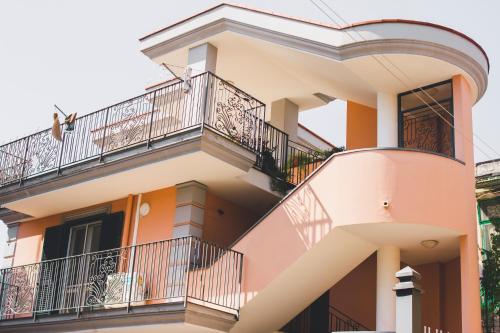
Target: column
pixel 188 221
pixel 388 263
pixel 202 58
pixel 189 209
pixel 285 116
pixel 387 120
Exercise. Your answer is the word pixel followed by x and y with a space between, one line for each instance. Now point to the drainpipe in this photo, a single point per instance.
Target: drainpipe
pixel 128 220
pixel 136 219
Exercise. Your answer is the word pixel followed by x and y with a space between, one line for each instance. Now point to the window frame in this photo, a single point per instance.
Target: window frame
pixel 450 100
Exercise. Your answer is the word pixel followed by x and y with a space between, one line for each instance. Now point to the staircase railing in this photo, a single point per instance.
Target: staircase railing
pixel 339 322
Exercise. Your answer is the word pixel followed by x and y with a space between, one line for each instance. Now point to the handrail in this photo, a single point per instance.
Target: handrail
pixel 185 269
pixel 339 321
pixel 144 119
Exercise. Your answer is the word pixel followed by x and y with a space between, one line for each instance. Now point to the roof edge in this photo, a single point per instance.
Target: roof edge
pixel 326 25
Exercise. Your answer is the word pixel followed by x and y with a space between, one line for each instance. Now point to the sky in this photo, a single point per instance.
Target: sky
pixel 84 55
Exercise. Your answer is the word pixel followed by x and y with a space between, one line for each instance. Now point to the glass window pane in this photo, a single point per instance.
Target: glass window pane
pixel 425 119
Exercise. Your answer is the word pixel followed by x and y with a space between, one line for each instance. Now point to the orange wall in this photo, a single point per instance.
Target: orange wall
pixel 355 295
pixel 158 224
pixel 361 123
pixel 224 229
pixel 431 298
pixel 451 315
pixel 29 242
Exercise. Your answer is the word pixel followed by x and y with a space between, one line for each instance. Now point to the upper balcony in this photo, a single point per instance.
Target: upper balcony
pixel 206 121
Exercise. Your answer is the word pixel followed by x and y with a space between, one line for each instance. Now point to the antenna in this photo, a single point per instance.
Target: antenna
pixel 69 122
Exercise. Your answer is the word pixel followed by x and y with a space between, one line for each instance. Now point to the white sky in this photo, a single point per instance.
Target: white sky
pixel 84 55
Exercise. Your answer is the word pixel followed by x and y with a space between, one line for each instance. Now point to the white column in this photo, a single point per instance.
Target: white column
pixel 388 263
pixel 387 120
pixel 202 58
pixel 285 116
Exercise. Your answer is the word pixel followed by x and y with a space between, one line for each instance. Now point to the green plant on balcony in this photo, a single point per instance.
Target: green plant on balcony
pixel 269 166
pixel 490 282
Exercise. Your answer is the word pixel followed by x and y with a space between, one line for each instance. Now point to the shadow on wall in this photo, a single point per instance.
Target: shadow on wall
pixel 308 216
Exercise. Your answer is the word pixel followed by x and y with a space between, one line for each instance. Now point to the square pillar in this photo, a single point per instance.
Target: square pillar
pixel 285 116
pixel 387 120
pixel 202 58
pixel 388 263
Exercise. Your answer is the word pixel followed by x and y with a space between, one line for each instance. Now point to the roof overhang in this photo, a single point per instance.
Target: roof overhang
pixel 304 58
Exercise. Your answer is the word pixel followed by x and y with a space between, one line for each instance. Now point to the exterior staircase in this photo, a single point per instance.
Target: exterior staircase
pixel 308 253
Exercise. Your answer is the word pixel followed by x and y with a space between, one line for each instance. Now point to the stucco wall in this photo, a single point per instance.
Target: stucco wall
pixel 361 126
pixel 30 235
pixel 225 221
pixel 355 295
pixel 158 224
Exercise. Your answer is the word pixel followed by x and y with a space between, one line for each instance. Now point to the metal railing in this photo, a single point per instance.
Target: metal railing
pixel 301 162
pixel 177 270
pixel 307 320
pixel 205 101
pixel 341 322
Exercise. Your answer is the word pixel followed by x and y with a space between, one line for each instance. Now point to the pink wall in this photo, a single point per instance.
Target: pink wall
pixel 469 260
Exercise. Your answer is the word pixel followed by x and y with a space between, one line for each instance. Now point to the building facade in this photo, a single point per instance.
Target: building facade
pixel 203 205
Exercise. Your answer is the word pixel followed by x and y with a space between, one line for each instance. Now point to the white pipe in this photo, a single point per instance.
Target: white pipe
pixel 136 219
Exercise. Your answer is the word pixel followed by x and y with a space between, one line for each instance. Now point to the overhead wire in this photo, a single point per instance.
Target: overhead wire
pixel 408 86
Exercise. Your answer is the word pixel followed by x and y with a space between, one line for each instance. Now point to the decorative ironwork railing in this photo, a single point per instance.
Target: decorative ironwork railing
pixel 177 270
pixel 206 101
pixel 301 162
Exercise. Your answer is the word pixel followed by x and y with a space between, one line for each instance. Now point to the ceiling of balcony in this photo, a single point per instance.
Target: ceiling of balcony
pixel 273 57
pixel 230 179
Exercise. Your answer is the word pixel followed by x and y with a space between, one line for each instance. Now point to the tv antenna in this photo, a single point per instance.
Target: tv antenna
pixel 69 122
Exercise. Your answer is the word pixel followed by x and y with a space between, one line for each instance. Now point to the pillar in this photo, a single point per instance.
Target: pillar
pixel 469 254
pixel 202 58
pixel 285 116
pixel 388 263
pixel 408 301
pixel 387 120
pixel 189 209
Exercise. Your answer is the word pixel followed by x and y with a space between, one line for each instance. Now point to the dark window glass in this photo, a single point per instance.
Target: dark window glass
pixel 425 116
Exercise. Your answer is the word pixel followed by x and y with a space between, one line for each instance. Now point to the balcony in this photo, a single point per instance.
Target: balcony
pixel 207 116
pixel 137 284
pixel 207 101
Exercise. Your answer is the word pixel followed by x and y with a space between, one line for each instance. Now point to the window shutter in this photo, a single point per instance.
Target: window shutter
pixel 111 231
pixel 55 243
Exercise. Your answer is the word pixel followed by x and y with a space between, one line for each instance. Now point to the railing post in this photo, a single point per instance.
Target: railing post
pixel 104 135
pixel 83 282
pixel 152 118
pixel 61 153
pixel 205 101
pixel 24 161
pixel 188 264
pixel 1 294
pixel 131 272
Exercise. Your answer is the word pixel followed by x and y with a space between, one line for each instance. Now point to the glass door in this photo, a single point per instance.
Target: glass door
pixel 83 239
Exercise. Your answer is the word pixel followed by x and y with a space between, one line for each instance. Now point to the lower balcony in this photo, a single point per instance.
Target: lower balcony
pixel 176 285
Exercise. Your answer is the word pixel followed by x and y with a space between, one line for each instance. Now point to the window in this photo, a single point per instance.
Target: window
pixel 426 119
pixel 84 238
